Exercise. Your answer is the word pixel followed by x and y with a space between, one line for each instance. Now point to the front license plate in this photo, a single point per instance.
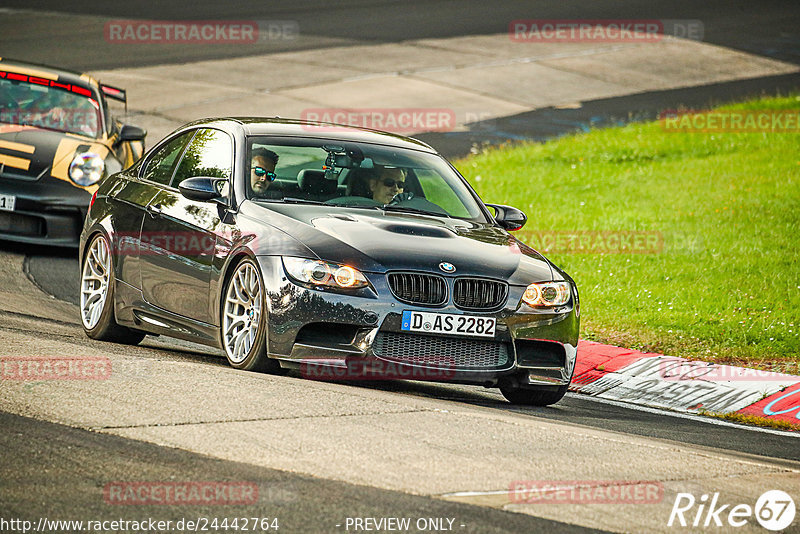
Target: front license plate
pixel 448 323
pixel 7 202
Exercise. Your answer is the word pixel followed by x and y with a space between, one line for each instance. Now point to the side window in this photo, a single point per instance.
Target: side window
pixel 159 168
pixel 209 154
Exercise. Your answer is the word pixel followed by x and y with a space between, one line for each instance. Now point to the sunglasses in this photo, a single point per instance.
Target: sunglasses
pixel 261 172
pixel 388 182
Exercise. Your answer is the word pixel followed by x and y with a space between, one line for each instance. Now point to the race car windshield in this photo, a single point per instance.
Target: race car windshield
pixel 52 108
pixel 357 175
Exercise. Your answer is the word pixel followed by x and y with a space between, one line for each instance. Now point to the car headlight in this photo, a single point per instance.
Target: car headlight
pixel 86 169
pixel 324 273
pixel 545 294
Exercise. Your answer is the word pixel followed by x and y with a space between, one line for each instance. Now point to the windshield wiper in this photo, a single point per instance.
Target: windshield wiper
pixel 291 200
pixel 295 200
pixel 358 207
pixel 406 209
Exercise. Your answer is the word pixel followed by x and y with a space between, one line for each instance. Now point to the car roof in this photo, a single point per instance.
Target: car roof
pixel 278 126
pixel 44 71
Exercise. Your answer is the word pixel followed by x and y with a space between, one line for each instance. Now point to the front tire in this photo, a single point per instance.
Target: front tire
pixel 244 320
pixel 97 296
pixel 533 396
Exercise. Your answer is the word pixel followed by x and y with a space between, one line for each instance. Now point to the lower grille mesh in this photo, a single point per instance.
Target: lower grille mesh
pixel 437 351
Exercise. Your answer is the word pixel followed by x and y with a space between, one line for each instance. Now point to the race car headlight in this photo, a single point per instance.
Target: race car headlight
pixel 546 294
pixel 324 273
pixel 86 169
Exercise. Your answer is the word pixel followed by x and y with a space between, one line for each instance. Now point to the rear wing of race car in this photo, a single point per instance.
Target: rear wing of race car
pixel 115 93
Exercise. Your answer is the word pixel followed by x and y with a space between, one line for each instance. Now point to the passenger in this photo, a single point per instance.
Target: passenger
pixel 262 169
pixel 85 119
pixel 358 181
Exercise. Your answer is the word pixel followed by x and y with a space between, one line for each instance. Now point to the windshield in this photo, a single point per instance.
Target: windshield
pixel 53 108
pixel 357 175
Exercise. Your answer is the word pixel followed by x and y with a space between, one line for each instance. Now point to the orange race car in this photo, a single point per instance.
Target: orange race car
pixel 58 139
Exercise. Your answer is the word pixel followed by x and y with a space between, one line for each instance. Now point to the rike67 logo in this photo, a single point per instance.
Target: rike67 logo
pixel 774 510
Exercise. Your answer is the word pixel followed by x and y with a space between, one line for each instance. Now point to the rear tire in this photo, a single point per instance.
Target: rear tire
pixel 97 296
pixel 534 396
pixel 243 328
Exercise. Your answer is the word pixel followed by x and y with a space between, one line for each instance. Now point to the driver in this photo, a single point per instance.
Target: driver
pixel 389 182
pixel 49 109
pixel 262 169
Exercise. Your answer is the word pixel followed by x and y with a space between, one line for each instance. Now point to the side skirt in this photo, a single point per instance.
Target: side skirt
pixel 131 310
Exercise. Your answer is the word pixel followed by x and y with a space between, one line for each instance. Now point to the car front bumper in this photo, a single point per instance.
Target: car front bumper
pixel 318 330
pixel 46 212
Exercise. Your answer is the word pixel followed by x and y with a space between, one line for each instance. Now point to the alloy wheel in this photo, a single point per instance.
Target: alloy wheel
pixel 242 312
pixel 95 278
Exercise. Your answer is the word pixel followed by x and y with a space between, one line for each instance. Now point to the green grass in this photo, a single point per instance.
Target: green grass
pixel 755 420
pixel 725 284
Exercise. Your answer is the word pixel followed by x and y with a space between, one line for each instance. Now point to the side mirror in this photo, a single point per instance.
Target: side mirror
pixel 508 217
pixel 130 132
pixel 201 189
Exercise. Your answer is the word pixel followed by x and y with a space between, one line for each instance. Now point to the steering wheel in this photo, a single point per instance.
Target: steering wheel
pixel 418 202
pixel 402 197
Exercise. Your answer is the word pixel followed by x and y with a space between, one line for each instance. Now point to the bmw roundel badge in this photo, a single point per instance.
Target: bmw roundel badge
pixel 447 267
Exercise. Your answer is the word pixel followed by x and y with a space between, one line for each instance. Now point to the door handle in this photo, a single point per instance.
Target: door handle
pixel 154 210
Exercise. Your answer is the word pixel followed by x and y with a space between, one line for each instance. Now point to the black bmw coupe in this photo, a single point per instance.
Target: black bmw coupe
pixel 340 252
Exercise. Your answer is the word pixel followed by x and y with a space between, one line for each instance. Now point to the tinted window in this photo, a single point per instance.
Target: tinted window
pixel 354 175
pixel 52 108
pixel 209 154
pixel 159 167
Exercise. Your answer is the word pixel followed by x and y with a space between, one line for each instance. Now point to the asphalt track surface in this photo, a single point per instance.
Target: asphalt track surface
pixel 764 27
pixel 546 123
pixel 68 468
pixel 63 467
